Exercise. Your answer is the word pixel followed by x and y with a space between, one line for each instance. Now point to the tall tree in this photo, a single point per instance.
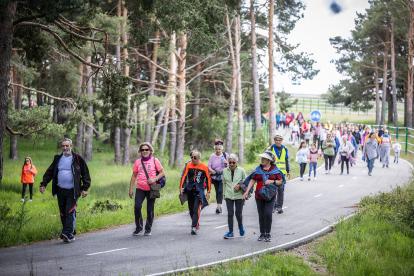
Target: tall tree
pixel 271 92
pixel 255 74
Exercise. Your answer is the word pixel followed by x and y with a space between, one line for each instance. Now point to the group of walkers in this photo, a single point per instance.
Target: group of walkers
pixel 70 176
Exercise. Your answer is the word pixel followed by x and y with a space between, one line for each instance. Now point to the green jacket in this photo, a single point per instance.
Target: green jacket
pixel 228 185
pixel 330 151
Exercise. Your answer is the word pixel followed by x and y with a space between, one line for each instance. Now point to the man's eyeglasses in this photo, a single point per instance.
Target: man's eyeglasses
pixel 194 157
pixel 232 163
pixel 145 149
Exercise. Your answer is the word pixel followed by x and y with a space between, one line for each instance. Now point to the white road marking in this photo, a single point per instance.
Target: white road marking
pixel 354 177
pixel 318 195
pixel 340 186
pixel 106 251
pixel 221 226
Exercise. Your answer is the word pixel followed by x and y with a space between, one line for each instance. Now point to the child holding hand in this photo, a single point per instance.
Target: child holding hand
pixel 313 161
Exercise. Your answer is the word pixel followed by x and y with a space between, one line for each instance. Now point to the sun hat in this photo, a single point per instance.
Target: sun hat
pixel 266 155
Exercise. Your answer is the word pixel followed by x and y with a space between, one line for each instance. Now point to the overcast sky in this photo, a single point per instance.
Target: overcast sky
pixel 313 33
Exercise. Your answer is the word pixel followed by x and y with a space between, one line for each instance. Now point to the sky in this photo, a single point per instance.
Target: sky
pixel 313 33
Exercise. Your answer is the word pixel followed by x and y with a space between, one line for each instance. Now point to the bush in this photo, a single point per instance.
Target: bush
pixel 105 204
pixel 12 224
pixel 396 206
pixel 258 145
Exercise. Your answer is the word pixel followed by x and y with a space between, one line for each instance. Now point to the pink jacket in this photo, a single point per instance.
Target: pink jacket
pixel 313 156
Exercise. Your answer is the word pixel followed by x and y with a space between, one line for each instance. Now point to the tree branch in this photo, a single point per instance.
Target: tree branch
pixel 22 133
pixel 153 63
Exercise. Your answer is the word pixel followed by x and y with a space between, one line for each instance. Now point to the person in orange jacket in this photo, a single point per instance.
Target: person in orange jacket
pixel 28 173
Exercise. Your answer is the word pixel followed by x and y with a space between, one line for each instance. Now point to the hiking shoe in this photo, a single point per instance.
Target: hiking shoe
pixel 268 238
pixel 136 232
pixel 280 211
pixel 261 237
pixel 193 231
pixel 347 172
pixel 241 230
pixel 229 235
pixel 147 233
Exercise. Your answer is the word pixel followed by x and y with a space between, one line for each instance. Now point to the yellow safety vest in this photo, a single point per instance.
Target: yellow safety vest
pixel 281 162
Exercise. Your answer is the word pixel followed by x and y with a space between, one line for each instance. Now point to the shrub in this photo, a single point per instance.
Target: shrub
pixel 258 145
pixel 12 224
pixel 105 204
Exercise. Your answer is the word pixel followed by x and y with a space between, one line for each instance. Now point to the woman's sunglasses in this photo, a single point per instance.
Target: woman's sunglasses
pixel 145 149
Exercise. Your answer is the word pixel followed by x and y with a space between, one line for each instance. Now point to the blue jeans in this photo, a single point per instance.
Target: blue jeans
pixel 312 165
pixel 370 164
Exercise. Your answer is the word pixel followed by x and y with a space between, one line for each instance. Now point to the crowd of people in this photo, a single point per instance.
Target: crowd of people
pixel 70 175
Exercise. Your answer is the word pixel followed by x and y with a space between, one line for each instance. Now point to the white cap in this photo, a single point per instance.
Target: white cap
pixel 266 155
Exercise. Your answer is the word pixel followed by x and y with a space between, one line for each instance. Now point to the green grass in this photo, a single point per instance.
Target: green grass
pixel 280 264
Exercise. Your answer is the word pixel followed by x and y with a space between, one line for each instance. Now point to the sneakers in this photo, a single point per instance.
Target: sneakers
pixel 314 179
pixel 309 178
pixel 261 237
pixel 31 200
pixel 218 210
pixel 280 211
pixel 301 179
pixel 275 210
pixel 326 171
pixel 268 238
pixel 241 230
pixel 193 231
pixel 387 167
pixel 342 173
pixel 147 233
pixel 369 174
pixel 67 239
pixel 329 172
pixel 136 232
pixel 22 200
pixel 383 165
pixel 347 172
pixel 229 235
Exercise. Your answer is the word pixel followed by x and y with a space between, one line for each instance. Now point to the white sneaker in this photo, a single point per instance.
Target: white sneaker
pixel 329 172
pixel 301 179
pixel 22 200
pixel 326 172
pixel 314 179
pixel 30 200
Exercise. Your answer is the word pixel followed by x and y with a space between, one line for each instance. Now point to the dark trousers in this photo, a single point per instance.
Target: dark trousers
pixel 230 212
pixel 280 197
pixel 30 189
pixel 328 161
pixel 265 210
pixel 333 158
pixel 320 144
pixel 302 168
pixel 140 195
pixel 344 160
pixel 218 186
pixel 67 208
pixel 194 206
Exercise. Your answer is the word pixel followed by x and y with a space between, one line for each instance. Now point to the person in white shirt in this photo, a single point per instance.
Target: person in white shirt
pixel 294 132
pixel 345 149
pixel 397 149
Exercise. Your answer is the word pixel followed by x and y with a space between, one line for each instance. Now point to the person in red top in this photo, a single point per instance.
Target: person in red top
pixel 288 119
pixel 28 172
pixel 265 208
pixel 195 179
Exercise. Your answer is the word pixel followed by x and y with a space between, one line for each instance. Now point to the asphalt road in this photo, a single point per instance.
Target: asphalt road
pixel 308 207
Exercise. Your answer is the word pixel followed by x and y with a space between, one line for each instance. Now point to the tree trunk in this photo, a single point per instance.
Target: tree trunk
pixel 410 83
pixel 255 74
pixel 172 81
pixel 127 131
pixel 13 147
pixel 393 73
pixel 377 102
pixel 181 103
pixel 237 40
pixel 230 121
pixel 79 139
pixel 196 107
pixel 390 109
pixel 158 124
pixel 164 132
pixel 88 129
pixel 152 86
pixel 106 129
pixel 272 103
pixel 139 134
pixel 117 131
pixel 385 77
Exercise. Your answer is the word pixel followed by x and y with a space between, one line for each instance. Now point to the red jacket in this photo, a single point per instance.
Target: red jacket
pixel 28 177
